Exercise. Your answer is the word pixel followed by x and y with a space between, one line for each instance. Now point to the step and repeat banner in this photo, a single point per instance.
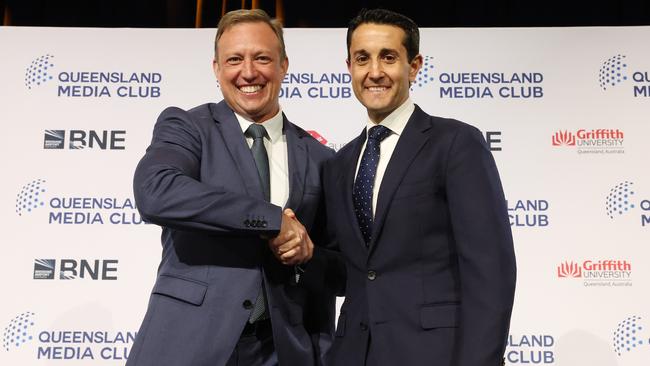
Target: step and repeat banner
pixel 566 112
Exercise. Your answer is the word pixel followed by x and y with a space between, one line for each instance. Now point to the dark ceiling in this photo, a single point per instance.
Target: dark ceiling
pixel 331 13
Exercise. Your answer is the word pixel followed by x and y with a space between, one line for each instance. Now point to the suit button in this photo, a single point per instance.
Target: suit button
pixel 247 223
pixel 372 275
pixel 363 326
pixel 248 305
pixel 264 224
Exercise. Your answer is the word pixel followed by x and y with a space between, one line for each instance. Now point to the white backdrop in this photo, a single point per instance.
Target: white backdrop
pixel 566 110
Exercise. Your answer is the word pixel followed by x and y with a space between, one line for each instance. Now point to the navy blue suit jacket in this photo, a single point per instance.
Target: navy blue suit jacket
pixel 436 285
pixel 198 180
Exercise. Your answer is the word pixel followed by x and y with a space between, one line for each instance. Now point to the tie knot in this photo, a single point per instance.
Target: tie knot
pixel 256 131
pixel 378 132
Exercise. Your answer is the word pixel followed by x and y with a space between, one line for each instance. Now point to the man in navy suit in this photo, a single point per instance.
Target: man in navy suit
pixel 230 289
pixel 417 208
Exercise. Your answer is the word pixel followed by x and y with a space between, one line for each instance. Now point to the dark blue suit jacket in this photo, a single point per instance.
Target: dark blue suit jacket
pixel 198 181
pixel 436 285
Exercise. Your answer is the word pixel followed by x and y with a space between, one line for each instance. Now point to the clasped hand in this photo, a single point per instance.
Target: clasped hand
pixel 293 245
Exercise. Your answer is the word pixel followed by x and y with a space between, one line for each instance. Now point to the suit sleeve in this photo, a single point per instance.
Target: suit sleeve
pixel 168 190
pixel 485 250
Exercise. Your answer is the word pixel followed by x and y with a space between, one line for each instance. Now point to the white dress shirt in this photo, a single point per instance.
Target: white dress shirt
pixel 276 150
pixel 396 121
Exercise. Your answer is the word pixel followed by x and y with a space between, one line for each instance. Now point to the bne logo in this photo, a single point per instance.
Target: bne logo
pixel 565 138
pixel 81 139
pixel 569 269
pixel 71 269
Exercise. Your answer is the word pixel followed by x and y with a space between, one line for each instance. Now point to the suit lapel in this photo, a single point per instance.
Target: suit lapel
pixel 297 156
pixel 238 148
pixel 409 144
pixel 346 182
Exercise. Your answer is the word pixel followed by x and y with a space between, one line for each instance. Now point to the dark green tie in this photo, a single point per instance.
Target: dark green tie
pixel 258 132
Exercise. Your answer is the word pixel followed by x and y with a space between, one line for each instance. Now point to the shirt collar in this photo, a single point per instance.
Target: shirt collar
pixel 272 125
pixel 397 119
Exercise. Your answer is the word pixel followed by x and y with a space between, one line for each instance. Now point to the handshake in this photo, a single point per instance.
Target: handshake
pixel 293 245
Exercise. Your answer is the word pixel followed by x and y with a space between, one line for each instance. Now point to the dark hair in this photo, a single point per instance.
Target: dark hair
pixel 249 16
pixel 411 39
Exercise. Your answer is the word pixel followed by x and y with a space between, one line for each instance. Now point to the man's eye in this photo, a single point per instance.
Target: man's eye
pixel 390 58
pixel 233 60
pixel 361 59
pixel 264 59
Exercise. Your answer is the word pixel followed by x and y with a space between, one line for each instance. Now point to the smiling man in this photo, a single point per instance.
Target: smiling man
pixel 216 179
pixel 418 211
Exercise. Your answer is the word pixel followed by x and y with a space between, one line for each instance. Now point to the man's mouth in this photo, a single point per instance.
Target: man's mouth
pixel 376 89
pixel 250 89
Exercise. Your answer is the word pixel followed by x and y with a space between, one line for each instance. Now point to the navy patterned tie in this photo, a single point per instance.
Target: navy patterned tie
pixel 363 185
pixel 258 132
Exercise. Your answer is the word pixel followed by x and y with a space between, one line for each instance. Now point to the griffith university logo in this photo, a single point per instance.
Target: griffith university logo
pixel 320 138
pixel 18 331
pixel 612 72
pixel 591 141
pixel 38 72
pixel 425 75
pixel 630 336
pixel 563 138
pixel 600 273
pixel 569 269
pixel 30 197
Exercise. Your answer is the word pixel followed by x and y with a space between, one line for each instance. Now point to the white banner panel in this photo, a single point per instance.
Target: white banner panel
pixel 565 111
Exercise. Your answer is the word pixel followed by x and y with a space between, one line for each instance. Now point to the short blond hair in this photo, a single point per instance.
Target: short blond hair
pixel 249 16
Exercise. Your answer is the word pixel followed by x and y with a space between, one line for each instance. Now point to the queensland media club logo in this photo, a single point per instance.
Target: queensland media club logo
pixel 425 75
pixel 92 84
pixel 595 141
pixel 70 209
pixel 621 203
pixel 598 273
pixel 84 139
pixel 630 338
pixel 473 84
pixel 18 331
pixel 316 85
pixel 67 343
pixel 39 71
pixel 72 269
pixel 534 349
pixel 615 73
pixel 528 213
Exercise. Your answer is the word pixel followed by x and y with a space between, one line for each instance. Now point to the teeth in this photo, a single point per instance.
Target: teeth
pixel 250 88
pixel 377 88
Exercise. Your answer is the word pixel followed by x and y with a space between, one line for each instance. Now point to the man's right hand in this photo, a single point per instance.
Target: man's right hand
pixel 292 246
